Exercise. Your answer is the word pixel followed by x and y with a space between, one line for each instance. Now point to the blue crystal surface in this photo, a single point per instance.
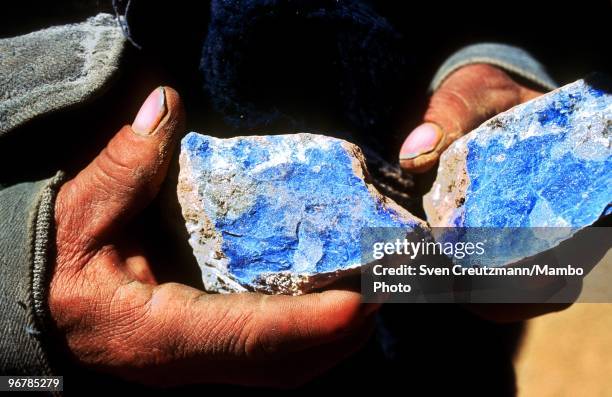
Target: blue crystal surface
pixel 284 203
pixel 551 165
pixel 535 174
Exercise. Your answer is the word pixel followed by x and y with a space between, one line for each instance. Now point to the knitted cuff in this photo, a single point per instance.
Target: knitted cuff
pixel 512 59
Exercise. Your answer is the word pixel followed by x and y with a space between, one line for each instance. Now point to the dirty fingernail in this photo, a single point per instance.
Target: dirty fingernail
pixel 151 112
pixel 421 140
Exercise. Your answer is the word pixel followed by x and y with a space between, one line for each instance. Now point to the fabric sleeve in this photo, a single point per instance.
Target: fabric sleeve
pixel 513 60
pixel 41 73
pixel 26 236
pixel 56 68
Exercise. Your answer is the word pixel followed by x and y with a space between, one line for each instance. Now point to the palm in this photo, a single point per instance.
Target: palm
pixel 116 316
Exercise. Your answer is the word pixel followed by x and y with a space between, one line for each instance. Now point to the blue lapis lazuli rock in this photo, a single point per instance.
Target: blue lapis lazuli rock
pixel 544 164
pixel 279 214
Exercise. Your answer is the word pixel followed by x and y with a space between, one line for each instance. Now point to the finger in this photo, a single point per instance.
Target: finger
pixel 467 98
pixel 286 371
pixel 127 174
pixel 184 327
pixel 181 328
pixel 254 325
pixel 298 368
pixel 193 337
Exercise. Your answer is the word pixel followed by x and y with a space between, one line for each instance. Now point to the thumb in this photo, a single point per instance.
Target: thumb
pixel 127 174
pixel 467 98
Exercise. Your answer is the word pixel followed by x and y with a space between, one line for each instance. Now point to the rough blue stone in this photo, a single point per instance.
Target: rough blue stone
pixel 278 213
pixel 545 163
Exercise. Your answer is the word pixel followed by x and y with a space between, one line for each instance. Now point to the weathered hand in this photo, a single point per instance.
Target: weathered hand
pixel 117 319
pixel 467 98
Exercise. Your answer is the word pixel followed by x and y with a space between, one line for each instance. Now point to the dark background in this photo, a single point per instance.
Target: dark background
pixel 437 348
pixel 571 39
